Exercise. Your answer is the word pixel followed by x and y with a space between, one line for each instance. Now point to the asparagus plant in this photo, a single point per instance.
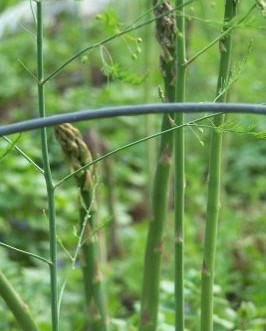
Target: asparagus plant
pixel 179 152
pixel 165 32
pixel 78 155
pixel 47 171
pixel 213 204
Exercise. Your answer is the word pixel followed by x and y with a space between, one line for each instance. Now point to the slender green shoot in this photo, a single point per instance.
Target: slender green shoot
pixel 28 70
pixel 13 144
pixel 78 154
pixel 73 259
pixel 47 173
pixel 213 204
pixel 166 36
pixel 179 168
pixel 9 148
pixel 33 12
pixel 25 253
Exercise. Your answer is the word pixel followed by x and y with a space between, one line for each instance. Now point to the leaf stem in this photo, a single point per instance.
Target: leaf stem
pixel 47 173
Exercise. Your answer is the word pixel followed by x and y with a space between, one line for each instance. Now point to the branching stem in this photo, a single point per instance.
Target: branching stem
pixel 47 173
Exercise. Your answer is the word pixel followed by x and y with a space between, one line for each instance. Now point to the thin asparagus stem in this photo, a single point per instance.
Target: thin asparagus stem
pixel 114 245
pixel 25 253
pixel 78 154
pixel 47 172
pixel 24 155
pixel 179 154
pixel 213 204
pixel 148 47
pixel 166 35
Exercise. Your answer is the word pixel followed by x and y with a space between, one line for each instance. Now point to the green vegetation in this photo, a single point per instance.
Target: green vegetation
pixel 113 257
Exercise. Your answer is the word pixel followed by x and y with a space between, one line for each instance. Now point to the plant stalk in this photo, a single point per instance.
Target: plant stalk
pixel 179 155
pixel 89 257
pixel 78 154
pixel 114 245
pixel 165 30
pixel 148 46
pixel 213 203
pixel 47 173
pixel 16 305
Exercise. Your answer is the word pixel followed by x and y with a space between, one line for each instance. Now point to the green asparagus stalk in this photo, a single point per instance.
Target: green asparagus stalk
pixel 78 154
pixel 51 212
pixel 179 173
pixel 165 31
pixel 16 305
pixel 213 204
